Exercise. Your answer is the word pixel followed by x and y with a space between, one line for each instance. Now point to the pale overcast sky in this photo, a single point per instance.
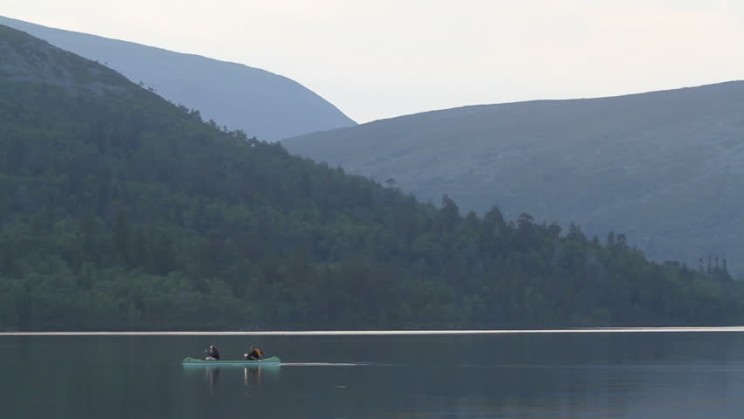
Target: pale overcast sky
pixel 382 58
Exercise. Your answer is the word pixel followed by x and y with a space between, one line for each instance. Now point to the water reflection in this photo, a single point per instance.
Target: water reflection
pixel 216 375
pixel 212 376
pixel 251 377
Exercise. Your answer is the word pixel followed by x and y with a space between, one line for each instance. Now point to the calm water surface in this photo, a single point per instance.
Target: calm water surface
pixel 595 375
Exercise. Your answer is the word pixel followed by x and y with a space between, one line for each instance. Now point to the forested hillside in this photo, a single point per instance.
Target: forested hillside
pixel 119 210
pixel 667 168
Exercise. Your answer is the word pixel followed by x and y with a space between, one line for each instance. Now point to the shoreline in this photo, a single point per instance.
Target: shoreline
pixel 672 329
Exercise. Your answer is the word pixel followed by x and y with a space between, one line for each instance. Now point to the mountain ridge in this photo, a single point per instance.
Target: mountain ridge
pixel 259 102
pixel 588 161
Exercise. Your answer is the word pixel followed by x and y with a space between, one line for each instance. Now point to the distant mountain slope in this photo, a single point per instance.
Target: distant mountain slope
pixel 666 168
pixel 119 210
pixel 260 103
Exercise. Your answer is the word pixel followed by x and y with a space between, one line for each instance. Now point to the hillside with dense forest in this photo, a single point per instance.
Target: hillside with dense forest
pixel 666 168
pixel 119 210
pixel 258 102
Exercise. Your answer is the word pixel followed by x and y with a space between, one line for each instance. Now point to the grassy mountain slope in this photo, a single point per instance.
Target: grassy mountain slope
pixel 119 210
pixel 260 103
pixel 666 168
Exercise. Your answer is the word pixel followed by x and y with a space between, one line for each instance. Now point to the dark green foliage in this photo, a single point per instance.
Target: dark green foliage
pixel 121 211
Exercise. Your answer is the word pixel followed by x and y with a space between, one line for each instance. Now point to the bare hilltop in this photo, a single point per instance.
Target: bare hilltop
pixel 665 168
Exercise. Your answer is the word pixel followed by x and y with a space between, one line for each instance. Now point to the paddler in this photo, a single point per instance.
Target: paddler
pixel 254 354
pixel 213 354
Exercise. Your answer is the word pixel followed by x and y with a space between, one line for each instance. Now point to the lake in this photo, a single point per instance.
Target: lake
pixel 617 374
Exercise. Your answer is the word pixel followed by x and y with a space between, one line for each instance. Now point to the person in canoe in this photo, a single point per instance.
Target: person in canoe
pixel 254 354
pixel 213 354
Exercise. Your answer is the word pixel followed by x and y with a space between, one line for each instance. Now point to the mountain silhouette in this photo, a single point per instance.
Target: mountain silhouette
pixel 259 103
pixel 666 168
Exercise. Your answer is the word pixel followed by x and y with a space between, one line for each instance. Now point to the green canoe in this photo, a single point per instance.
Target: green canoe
pixel 272 361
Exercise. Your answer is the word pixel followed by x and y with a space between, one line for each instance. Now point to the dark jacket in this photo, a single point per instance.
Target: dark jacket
pixel 213 352
pixel 254 354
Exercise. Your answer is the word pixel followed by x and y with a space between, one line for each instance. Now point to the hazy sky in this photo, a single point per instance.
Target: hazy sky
pixel 381 58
